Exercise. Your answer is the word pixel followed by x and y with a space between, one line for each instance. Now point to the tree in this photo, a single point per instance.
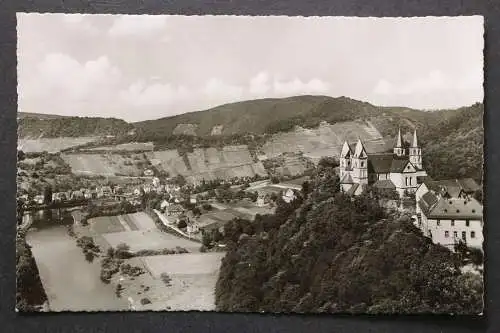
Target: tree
pixel 182 224
pixel 47 195
pixel 20 155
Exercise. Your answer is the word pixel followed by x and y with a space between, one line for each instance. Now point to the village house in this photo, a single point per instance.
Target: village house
pixel 263 200
pixel 192 227
pixel 448 213
pixel 156 182
pixel 77 195
pixel 39 199
pixel 289 195
pixel 174 210
pixel 398 170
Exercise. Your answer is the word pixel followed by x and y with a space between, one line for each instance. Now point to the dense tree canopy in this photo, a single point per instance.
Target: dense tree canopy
pixel 328 252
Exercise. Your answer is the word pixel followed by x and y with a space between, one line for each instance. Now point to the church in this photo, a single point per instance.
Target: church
pixel 397 170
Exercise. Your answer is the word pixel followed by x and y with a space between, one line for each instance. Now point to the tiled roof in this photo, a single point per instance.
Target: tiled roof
pixel 380 163
pixel 398 164
pixel 452 187
pixel 457 208
pixel 450 208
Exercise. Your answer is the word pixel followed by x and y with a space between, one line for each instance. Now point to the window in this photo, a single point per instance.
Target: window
pixel 464 236
pixel 362 164
pixel 467 223
pixel 447 234
pixel 472 234
pixel 455 234
pixel 452 223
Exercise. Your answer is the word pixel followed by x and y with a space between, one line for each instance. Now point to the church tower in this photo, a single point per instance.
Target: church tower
pixel 415 152
pixel 360 164
pixel 345 160
pixel 399 150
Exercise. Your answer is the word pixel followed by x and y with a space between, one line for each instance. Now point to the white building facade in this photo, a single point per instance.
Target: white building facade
pixel 398 170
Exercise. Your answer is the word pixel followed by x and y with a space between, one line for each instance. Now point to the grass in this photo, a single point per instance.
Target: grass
pixel 106 224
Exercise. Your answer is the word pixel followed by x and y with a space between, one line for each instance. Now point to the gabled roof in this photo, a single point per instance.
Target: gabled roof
pixel 385 184
pixel 453 187
pixel 450 208
pixel 468 184
pixel 360 150
pixel 399 165
pixel 346 150
pixel 347 179
pixel 380 163
pixel 353 189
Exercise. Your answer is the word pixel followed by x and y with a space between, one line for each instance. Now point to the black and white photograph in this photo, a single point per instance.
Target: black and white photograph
pixel 268 164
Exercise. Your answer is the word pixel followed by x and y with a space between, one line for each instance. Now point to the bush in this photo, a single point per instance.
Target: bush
pixel 145 301
pixel 182 224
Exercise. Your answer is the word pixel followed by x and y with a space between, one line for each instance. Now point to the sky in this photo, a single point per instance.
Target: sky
pixel 138 67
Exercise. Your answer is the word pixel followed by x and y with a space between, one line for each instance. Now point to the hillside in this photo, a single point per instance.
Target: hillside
pixel 32 127
pixel 454 146
pixel 273 115
pixel 23 115
pixel 328 253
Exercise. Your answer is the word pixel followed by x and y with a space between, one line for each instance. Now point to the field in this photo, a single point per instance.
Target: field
pixel 193 275
pixel 149 240
pixel 51 145
pixel 138 231
pixel 326 140
pixel 106 164
pixel 192 285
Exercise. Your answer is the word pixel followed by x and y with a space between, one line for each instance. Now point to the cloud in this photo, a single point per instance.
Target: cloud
pixel 433 90
pixel 265 85
pixel 259 84
pixel 433 81
pixel 156 94
pixel 298 87
pixel 137 25
pixel 80 22
pixel 218 90
pixel 66 84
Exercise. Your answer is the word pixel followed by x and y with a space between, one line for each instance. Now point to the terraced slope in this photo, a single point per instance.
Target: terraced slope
pixel 326 140
pixel 209 163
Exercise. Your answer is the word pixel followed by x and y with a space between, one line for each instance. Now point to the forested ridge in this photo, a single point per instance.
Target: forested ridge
pixel 331 253
pixel 30 127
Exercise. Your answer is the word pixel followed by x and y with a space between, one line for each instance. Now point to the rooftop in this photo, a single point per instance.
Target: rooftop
pixel 434 206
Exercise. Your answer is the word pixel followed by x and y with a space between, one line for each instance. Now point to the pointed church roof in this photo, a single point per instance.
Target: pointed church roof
pixel 415 142
pixel 360 149
pixel 346 150
pixel 399 140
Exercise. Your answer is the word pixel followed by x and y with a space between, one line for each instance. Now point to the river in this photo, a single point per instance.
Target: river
pixel 70 282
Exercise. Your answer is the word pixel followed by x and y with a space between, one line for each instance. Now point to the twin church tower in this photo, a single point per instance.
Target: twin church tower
pixel 397 170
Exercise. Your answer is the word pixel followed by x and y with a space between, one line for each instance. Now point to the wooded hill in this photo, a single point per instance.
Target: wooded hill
pixel 273 115
pixel 328 253
pixel 54 127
